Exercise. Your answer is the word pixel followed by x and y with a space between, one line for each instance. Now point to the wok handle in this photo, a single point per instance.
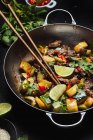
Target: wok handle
pixel 67 126
pixel 51 4
pixel 46 19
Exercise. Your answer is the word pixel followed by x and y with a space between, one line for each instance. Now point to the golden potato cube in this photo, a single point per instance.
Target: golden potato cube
pixel 88 102
pixel 72 91
pixel 27 68
pixel 79 46
pixel 72 105
pixel 40 103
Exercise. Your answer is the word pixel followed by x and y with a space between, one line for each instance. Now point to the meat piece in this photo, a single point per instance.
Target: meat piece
pixel 91 58
pixel 89 87
pixel 89 92
pixel 66 47
pixel 64 80
pixel 83 51
pixel 74 80
pixel 55 44
pixel 91 72
pixel 63 51
pixel 67 51
pixel 51 52
pixel 88 84
pixel 36 65
pixel 62 64
pixel 71 53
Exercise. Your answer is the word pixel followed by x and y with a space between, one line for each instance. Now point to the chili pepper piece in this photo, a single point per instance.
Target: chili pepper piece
pixel 42 88
pixel 63 58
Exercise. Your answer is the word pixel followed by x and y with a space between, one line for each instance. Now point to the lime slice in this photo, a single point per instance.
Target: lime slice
pixel 63 70
pixel 5 108
pixel 57 91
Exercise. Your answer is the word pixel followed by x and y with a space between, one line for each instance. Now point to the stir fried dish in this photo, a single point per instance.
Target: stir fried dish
pixel 74 69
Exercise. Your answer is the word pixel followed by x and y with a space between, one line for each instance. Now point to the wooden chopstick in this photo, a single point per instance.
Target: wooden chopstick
pixel 31 41
pixel 18 35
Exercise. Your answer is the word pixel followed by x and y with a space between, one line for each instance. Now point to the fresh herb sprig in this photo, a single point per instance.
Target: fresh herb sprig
pixel 88 67
pixel 29 16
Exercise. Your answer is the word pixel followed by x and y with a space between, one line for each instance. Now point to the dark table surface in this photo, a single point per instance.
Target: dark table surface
pixel 32 122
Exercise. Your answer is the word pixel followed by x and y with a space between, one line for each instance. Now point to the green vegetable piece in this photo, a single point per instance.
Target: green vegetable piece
pixel 45 98
pixel 80 95
pixel 58 59
pixel 82 107
pixel 73 64
pixel 82 83
pixel 74 58
pixel 86 66
pixel 5 27
pixel 63 99
pixel 25 84
pixel 8 33
pixel 32 90
pixel 13 38
pixel 6 40
pixel 64 107
pixel 40 76
pixel 57 106
pixel 29 91
pixel 51 64
pixel 31 80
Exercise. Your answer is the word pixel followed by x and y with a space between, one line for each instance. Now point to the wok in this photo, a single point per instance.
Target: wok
pixel 70 34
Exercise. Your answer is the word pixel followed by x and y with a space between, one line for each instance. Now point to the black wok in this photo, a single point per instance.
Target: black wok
pixel 70 34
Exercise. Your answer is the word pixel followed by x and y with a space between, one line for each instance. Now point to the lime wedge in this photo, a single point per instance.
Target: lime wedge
pixel 57 91
pixel 5 108
pixel 63 70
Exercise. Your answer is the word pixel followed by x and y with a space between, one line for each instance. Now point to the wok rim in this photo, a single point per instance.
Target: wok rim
pixel 20 99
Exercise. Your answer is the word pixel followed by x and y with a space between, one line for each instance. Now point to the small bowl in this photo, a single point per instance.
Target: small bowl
pixel 9 127
pixel 51 4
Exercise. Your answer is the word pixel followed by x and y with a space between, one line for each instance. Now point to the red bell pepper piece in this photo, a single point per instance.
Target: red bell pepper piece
pixel 28 75
pixel 46 1
pixel 70 98
pixel 69 86
pixel 42 88
pixel 58 76
pixel 42 4
pixel 79 69
pixel 32 1
pixel 63 58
